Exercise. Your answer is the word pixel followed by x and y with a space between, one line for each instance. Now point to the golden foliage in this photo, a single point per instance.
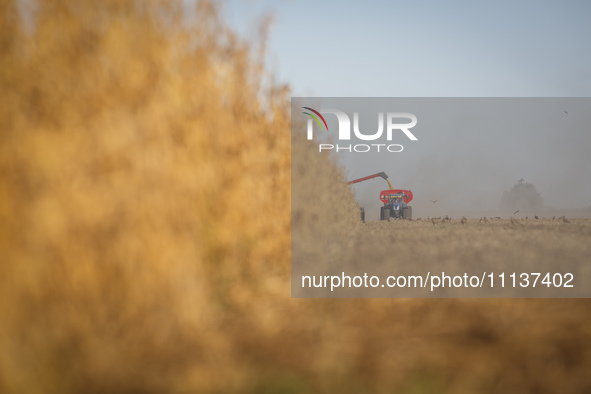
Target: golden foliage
pixel 145 173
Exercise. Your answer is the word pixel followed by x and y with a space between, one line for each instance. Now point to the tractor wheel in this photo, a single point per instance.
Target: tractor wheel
pixel 407 213
pixel 385 213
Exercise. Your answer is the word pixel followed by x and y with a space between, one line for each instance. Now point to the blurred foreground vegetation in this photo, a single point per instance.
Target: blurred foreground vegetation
pixel 145 230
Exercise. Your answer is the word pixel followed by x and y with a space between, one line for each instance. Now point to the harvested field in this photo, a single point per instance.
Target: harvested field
pixel 496 247
pixel 527 241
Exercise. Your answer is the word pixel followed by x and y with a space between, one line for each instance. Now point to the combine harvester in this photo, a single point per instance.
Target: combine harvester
pixel 395 200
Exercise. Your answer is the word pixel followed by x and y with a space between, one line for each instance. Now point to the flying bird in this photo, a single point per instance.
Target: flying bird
pixel 515 212
pixel 566 112
pixel 434 201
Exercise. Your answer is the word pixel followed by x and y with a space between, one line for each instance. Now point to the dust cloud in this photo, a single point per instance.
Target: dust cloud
pixel 472 150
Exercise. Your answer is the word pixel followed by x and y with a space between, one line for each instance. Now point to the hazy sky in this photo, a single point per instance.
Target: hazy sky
pixel 447 49
pixel 426 48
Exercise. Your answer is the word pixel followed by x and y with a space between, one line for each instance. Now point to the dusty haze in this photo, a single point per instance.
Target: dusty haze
pixel 470 150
